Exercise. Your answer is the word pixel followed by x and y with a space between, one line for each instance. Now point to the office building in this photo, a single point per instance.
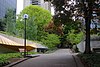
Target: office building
pixel 5 5
pixel 24 3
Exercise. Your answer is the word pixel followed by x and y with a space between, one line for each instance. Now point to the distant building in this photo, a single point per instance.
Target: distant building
pixel 5 5
pixel 47 5
pixel 24 3
pixel 33 2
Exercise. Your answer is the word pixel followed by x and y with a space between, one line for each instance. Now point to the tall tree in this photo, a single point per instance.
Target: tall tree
pixel 38 18
pixel 87 9
pixel 10 20
pixel 64 11
pixel 89 16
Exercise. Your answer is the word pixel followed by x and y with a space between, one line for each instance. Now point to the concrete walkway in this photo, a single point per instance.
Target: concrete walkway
pixel 60 58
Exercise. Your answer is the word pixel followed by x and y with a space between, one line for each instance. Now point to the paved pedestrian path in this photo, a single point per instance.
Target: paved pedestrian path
pixel 60 58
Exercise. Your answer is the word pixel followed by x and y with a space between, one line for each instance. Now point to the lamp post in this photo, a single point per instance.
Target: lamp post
pixel 25 17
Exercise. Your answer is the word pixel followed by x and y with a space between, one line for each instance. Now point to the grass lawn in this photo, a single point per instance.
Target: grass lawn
pixel 90 60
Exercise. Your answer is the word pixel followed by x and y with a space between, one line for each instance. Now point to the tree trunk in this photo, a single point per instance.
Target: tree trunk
pixel 88 14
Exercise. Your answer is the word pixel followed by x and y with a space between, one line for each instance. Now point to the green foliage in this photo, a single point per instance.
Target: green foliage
pixel 8 23
pixel 41 35
pixel 74 38
pixel 67 29
pixel 92 60
pixel 41 15
pixel 62 15
pixel 4 58
pixel 2 25
pixel 51 41
pixel 72 25
pixel 38 18
pixel 10 19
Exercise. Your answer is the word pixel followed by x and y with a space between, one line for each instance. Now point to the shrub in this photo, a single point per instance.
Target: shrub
pixel 51 41
pixel 92 60
pixel 4 58
pixel 74 38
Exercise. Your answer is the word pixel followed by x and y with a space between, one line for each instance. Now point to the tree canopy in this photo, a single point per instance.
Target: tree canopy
pixel 65 11
pixel 38 18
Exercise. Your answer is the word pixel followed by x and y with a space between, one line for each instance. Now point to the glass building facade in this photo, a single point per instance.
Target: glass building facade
pixel 5 5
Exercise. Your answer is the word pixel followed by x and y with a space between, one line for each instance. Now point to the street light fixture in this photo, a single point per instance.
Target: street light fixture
pixel 25 17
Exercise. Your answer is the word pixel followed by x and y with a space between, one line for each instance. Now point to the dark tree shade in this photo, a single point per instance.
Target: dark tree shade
pixel 62 14
pixel 2 25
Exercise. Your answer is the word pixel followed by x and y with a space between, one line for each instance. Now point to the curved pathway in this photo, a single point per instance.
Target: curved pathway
pixel 60 58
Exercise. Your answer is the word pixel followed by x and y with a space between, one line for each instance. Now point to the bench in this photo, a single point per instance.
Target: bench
pixel 96 49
